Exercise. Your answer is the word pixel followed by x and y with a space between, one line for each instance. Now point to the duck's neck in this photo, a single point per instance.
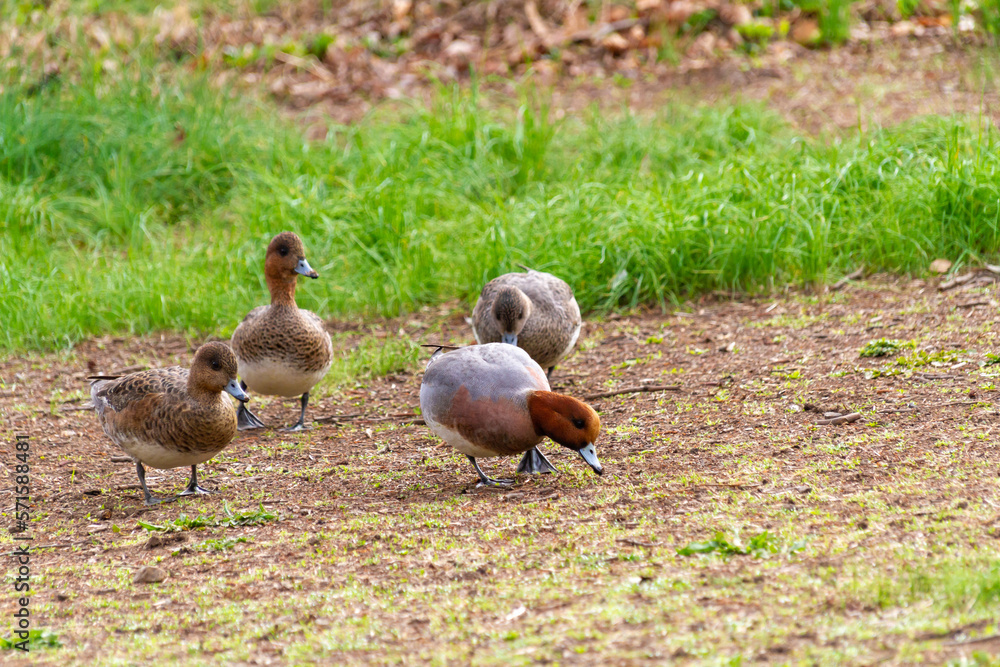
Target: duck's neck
pixel 282 292
pixel 200 393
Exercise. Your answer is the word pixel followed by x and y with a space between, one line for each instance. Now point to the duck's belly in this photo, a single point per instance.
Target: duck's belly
pixel 155 455
pixel 456 440
pixel 278 378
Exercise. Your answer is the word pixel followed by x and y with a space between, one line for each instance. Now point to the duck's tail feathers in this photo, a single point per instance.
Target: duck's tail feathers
pixel 439 349
pixel 522 266
pixel 103 377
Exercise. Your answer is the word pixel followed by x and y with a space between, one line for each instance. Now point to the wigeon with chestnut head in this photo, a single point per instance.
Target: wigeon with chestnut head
pixel 494 400
pixel 282 349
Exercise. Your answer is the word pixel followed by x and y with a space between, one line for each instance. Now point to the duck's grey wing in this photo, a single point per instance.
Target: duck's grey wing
pixel 486 371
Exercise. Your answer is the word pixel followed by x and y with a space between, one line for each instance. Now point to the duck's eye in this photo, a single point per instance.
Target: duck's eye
pixel 579 423
pixel 215 366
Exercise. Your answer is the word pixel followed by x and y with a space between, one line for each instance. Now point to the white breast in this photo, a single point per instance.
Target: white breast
pixel 156 455
pixel 275 378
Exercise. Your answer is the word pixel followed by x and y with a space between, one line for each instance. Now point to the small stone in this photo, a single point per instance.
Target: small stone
pixel 832 415
pixel 903 28
pixel 156 541
pixel 735 14
pixel 803 489
pixel 401 9
pixel 460 53
pixel 940 266
pixel 615 43
pixel 806 32
pixel 313 541
pixel 680 11
pixel 150 574
pixel 703 46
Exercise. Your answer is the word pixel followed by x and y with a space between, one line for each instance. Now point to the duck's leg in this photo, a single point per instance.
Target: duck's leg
pixel 148 498
pixel 246 420
pixel 192 488
pixel 488 481
pixel 301 424
pixel 534 462
pixel 548 373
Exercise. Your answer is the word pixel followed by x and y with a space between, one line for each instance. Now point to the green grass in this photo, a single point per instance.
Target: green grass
pixel 128 207
pixel 183 522
pixel 953 584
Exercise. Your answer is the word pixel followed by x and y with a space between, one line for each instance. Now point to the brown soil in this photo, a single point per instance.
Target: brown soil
pixel 741 430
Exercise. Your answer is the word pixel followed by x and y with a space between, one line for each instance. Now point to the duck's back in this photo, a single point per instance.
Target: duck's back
pixel 478 394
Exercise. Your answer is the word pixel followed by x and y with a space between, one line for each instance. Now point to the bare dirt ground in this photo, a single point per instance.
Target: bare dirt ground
pixel 879 536
pixel 320 62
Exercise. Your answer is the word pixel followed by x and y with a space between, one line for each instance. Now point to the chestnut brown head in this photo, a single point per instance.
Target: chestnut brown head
pixel 568 422
pixel 214 370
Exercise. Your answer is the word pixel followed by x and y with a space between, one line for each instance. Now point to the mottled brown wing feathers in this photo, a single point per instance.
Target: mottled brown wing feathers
pixel 130 389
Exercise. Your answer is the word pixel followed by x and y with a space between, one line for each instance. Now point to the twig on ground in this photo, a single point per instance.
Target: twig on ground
pixel 359 418
pixel 960 280
pixel 58 545
pixel 633 390
pixel 845 419
pixel 337 418
pixel 78 408
pixel 977 640
pixel 853 275
pixel 636 543
pixel 973 304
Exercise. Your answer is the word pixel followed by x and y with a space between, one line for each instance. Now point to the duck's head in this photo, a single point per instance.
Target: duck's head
pixel 567 421
pixel 511 309
pixel 285 260
pixel 214 371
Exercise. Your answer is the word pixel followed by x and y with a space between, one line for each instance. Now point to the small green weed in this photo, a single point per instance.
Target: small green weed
pixel 44 638
pixel 220 545
pixel 884 347
pixel 183 522
pixel 759 546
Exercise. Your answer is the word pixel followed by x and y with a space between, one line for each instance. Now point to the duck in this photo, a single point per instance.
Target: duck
pixel 494 400
pixel 171 417
pixel 534 310
pixel 282 349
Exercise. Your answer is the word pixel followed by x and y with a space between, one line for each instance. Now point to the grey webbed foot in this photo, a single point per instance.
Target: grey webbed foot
pixel 487 481
pixel 534 462
pixel 246 420
pixel 147 497
pixel 193 489
pixel 300 425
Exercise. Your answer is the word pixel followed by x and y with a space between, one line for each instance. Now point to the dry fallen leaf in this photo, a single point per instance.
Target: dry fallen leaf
pixel 940 266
